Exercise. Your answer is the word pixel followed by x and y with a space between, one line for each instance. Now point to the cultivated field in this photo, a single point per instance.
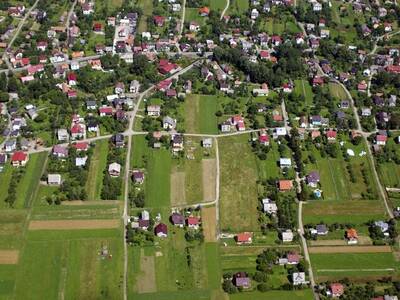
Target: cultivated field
pixel 178 195
pixel 146 282
pixel 238 193
pixel 209 176
pixel 208 216
pixel 200 114
pixel 9 257
pixel 351 249
pixel 73 224
pixel 98 163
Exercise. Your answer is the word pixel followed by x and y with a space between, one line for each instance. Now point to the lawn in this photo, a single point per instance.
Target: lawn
pixel 200 114
pixel 98 163
pixel 217 5
pixel 28 186
pixel 158 178
pixel 238 187
pixel 192 14
pixel 5 178
pixel 303 87
pixel 139 149
pixel 389 172
pixel 11 228
pixel 337 91
pixel 7 281
pixel 71 269
pixel 213 265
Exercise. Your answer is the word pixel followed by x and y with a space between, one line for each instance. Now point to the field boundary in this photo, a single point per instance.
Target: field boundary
pixel 73 224
pixel 351 249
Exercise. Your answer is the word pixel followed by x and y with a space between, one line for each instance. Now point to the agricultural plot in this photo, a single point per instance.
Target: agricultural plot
pixel 71 269
pixel 342 265
pixel 340 179
pixel 353 212
pixel 281 295
pixel 200 114
pixel 98 163
pixel 11 228
pixel 147 8
pixel 238 7
pixel 238 188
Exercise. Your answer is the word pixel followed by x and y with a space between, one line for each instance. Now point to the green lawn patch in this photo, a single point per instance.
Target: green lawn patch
pixel 98 163
pixel 281 295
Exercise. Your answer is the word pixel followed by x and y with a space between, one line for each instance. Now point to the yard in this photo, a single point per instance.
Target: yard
pixel 147 8
pixel 238 7
pixel 238 192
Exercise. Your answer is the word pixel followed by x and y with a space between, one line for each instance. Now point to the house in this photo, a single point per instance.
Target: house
pixel 313 179
pixel 177 142
pixel 366 112
pixel 134 87
pixel 285 185
pixel 92 125
pixel 3 158
pixel 244 238
pixel 192 222
pixel 207 142
pixel 321 229
pixel 119 88
pixel 280 131
pixel 383 226
pixel 105 111
pixel 164 85
pixel 19 158
pixel 159 21
pixel 381 139
pixel 114 169
pixel 317 80
pixel 331 135
pixel 293 258
pixel 60 151
pixel 177 219
pixel 262 91
pixel 81 146
pixel 351 236
pixel 161 230
pixel 78 131
pixel 285 163
pixel 166 67
pixel 241 280
pixel 194 26
pixel 269 206
pixel 153 110
pixel 138 176
pixel 169 123
pixel 254 14
pixel 118 140
pixel 80 161
pixel 287 236
pixel 317 6
pixel 204 11
pixel 238 121
pixel 225 126
pixel 299 278
pixel 263 138
pixel 10 145
pixel 54 179
pixel 71 78
pixel 336 290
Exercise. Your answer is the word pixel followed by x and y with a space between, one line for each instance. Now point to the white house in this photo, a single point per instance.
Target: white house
pixel 269 206
pixel 287 236
pixel 299 278
pixel 54 179
pixel 285 163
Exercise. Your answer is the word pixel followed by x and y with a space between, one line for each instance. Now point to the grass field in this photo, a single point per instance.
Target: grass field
pixel 147 8
pixel 238 192
pixel 281 295
pixel 5 178
pixel 303 87
pixel 348 264
pixel 355 211
pixel 98 163
pixel 11 228
pixel 158 178
pixel 238 7
pixel 200 114
pixel 27 188
pixel 217 5
pixel 139 146
pixel 70 269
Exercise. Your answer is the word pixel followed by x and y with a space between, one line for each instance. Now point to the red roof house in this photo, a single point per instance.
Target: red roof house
pixel 337 289
pixel 19 158
pixel 244 238
pixel 159 20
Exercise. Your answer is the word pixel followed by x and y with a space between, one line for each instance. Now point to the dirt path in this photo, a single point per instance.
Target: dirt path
pixel 72 224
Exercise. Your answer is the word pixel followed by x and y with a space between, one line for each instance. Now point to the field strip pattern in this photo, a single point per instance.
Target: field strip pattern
pixel 9 257
pixel 351 249
pixel 73 224
pixel 354 270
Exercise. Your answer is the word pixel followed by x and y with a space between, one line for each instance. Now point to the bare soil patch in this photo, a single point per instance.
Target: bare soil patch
pixel 9 257
pixel 209 170
pixel 209 222
pixel 72 224
pixel 146 280
pixel 178 196
pixel 351 249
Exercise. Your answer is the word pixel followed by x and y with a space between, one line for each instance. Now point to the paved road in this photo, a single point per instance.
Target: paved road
pixel 226 8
